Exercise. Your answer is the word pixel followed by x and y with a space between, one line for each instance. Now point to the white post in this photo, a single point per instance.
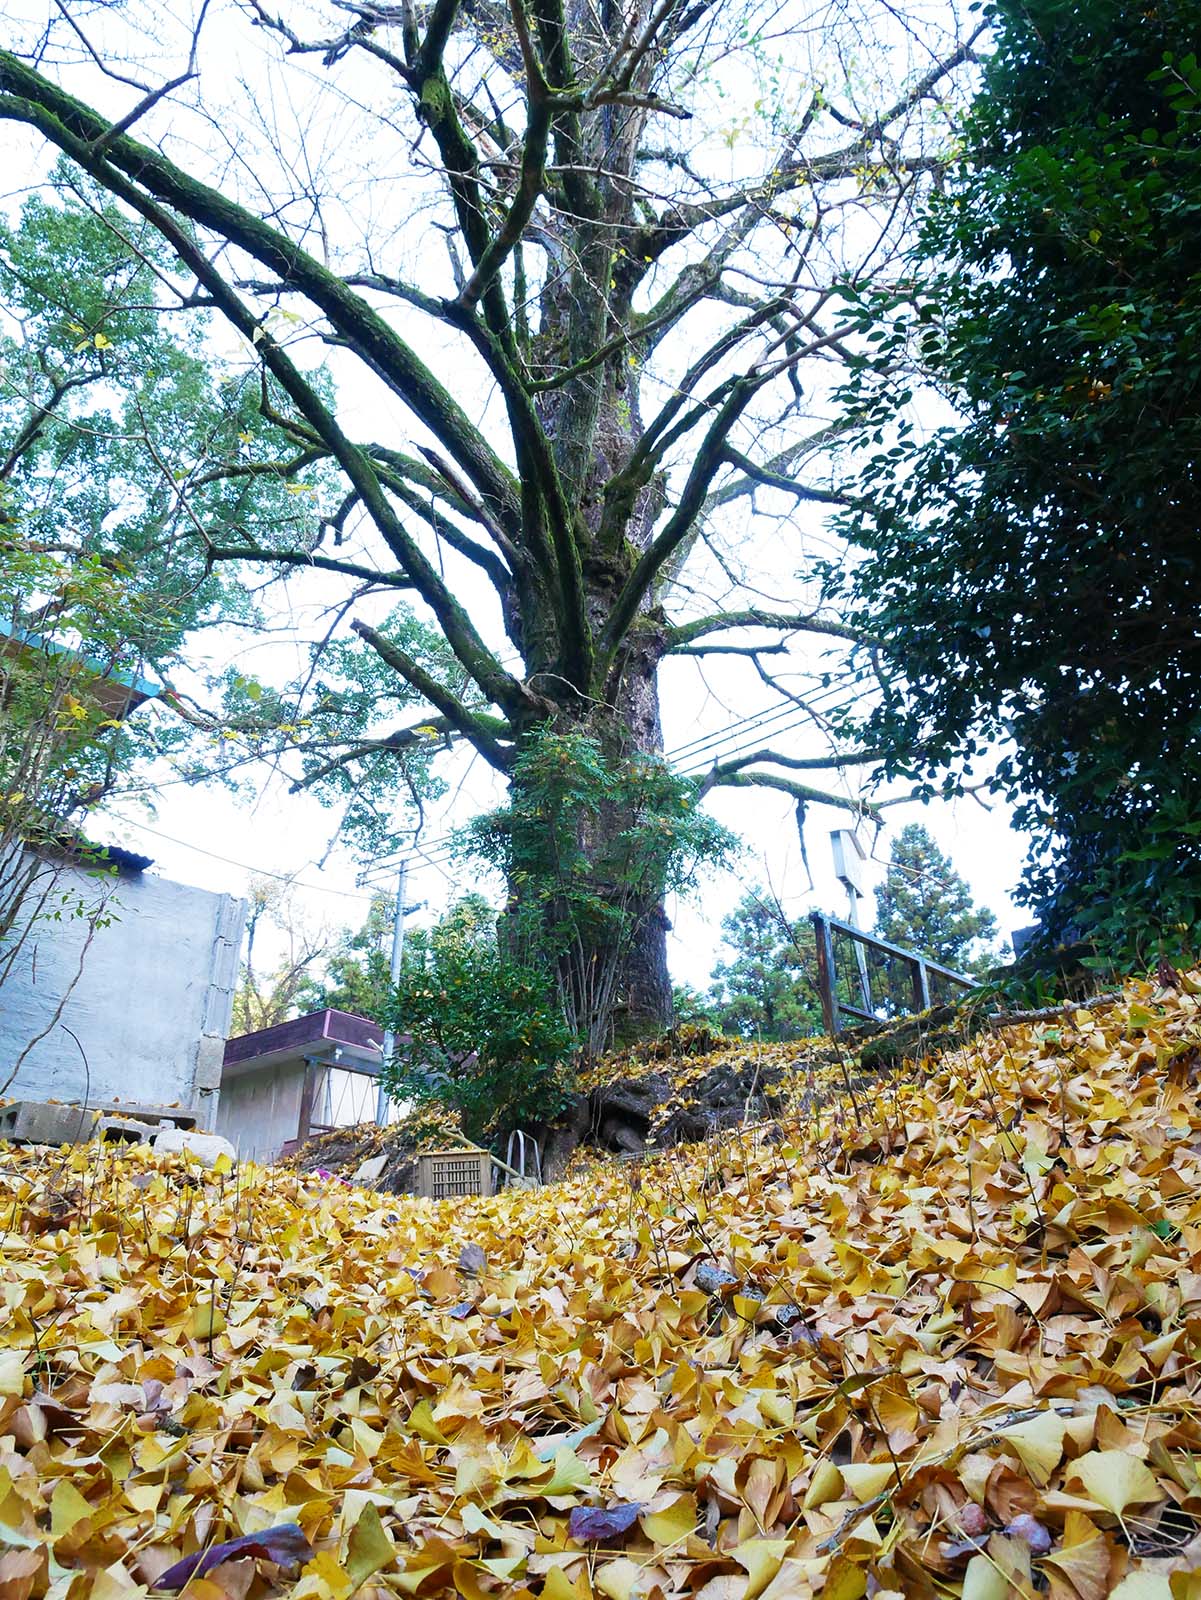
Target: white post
pixel 848 869
pixel 398 944
pixel 865 988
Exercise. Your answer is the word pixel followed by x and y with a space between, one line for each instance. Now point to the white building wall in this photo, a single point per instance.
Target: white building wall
pixel 260 1109
pixel 152 1005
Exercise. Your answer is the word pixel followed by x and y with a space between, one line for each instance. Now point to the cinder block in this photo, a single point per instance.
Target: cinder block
pixel 157 1116
pixel 123 1130
pixel 57 1122
pixel 42 1122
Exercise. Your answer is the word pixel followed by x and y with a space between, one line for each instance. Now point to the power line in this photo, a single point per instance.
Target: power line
pixel 438 851
pixel 758 721
pixel 258 872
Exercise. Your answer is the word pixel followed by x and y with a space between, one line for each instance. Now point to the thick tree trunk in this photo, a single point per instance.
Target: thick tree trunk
pixel 612 966
pixel 645 983
pixel 594 425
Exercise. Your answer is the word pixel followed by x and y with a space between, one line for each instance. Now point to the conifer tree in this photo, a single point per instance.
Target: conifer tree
pixel 926 906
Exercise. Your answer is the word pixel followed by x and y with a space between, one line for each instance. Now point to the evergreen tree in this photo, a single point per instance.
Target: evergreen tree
pixel 767 990
pixel 924 905
pixel 119 430
pixel 358 974
pixel 1033 564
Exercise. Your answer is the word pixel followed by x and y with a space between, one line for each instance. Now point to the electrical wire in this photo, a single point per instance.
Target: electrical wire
pixel 244 866
pixel 436 853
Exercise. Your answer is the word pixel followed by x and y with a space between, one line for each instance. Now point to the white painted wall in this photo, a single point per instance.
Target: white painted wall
pixel 260 1109
pixel 152 1005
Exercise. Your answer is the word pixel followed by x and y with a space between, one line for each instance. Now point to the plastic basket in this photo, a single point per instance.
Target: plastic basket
pixel 446 1174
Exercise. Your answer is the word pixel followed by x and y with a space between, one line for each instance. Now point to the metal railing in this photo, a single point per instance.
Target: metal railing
pixel 920 969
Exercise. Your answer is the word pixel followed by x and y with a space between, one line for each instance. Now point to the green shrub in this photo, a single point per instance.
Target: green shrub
pixel 484 1036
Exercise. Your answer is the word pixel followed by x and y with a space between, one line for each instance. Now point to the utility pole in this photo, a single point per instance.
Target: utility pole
pixel 398 944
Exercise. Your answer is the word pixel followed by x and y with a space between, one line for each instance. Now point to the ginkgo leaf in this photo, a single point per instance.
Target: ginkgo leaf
pixel 559 1587
pixel 588 1381
pixel 1116 1479
pixel 369 1549
pixel 571 1441
pixel 569 1474
pixel 867 1479
pixel 114 1583
pixel 761 1558
pixel 68 1508
pixel 1039 1444
pixel 1143 1586
pixel 984 1580
pixel 208 1319
pixel 826 1484
pixel 21 1572
pixel 672 1524
pixel 622 1579
pixel 1083 1557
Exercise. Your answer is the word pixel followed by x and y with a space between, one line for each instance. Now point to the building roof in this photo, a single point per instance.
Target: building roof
pixel 337 1037
pixel 117 693
pixel 71 846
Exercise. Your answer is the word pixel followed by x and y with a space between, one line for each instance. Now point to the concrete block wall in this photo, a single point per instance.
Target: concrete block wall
pixel 152 1005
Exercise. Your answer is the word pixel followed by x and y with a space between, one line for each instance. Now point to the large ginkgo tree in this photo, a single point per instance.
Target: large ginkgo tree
pixel 575 272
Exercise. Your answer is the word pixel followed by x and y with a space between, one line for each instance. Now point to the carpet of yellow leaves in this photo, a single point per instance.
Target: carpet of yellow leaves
pixel 941 1339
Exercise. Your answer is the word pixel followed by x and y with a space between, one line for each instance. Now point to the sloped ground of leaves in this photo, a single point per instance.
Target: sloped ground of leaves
pixel 695 1082
pixel 705 1083
pixel 940 1339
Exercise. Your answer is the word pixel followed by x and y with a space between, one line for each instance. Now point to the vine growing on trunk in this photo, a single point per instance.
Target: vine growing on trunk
pixel 590 843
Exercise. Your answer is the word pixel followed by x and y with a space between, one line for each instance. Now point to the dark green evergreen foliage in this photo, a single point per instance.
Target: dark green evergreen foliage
pixel 483 1031
pixel 925 905
pixel 589 844
pixel 1033 568
pixel 691 1008
pixel 768 989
